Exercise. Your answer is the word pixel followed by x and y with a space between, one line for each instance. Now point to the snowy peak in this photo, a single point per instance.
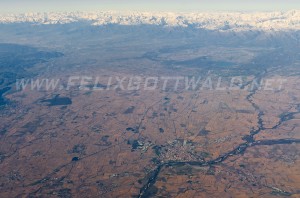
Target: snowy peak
pixel 223 21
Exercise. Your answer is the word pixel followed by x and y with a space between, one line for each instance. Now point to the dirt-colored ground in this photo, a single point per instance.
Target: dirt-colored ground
pixel 106 143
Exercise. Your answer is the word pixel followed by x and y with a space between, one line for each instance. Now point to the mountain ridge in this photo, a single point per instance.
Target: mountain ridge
pixel 222 21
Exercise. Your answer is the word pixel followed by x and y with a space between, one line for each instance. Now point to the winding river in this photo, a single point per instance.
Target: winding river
pixel 249 142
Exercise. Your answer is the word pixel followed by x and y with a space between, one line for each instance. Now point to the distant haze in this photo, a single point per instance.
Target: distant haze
pixel 20 6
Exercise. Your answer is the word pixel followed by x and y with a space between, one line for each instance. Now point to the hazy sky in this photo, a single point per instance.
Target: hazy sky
pixel 17 6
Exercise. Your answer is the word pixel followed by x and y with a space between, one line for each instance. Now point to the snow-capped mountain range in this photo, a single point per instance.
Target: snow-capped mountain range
pixel 223 21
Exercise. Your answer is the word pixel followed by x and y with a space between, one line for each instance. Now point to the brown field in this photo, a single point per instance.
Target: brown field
pixel 107 143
